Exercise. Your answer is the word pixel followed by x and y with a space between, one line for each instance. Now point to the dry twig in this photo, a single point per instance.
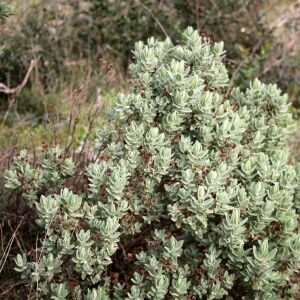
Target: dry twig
pixel 7 90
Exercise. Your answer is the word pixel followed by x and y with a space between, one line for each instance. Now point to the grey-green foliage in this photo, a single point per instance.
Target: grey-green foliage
pixel 192 198
pixel 43 176
pixel 5 10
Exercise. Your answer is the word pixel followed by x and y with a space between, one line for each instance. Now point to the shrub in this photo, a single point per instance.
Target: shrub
pixel 47 175
pixel 191 198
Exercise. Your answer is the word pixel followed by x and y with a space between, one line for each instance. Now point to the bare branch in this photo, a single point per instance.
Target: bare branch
pixel 7 90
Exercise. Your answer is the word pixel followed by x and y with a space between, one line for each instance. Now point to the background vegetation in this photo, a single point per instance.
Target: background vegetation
pixel 61 63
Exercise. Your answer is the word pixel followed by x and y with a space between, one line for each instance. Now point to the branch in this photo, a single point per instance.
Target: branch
pixel 6 90
pixel 155 19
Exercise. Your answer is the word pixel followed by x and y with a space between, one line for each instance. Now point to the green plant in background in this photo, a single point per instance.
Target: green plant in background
pixel 117 24
pixel 62 81
pixel 260 39
pixel 191 198
pixel 6 10
pixel 55 37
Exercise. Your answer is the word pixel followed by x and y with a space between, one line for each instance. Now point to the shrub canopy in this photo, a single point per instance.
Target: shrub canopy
pixel 192 197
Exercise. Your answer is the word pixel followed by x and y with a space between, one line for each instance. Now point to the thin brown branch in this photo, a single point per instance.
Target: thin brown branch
pixel 7 249
pixel 154 18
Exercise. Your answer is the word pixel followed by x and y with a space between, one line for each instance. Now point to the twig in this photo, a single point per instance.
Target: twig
pixel 91 117
pixel 17 241
pixel 11 102
pixel 6 252
pixel 154 18
pixel 14 91
pixel 5 292
pixel 197 14
pixel 241 64
pixel 6 90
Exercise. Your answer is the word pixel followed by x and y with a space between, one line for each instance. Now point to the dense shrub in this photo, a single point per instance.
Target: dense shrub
pixel 191 198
